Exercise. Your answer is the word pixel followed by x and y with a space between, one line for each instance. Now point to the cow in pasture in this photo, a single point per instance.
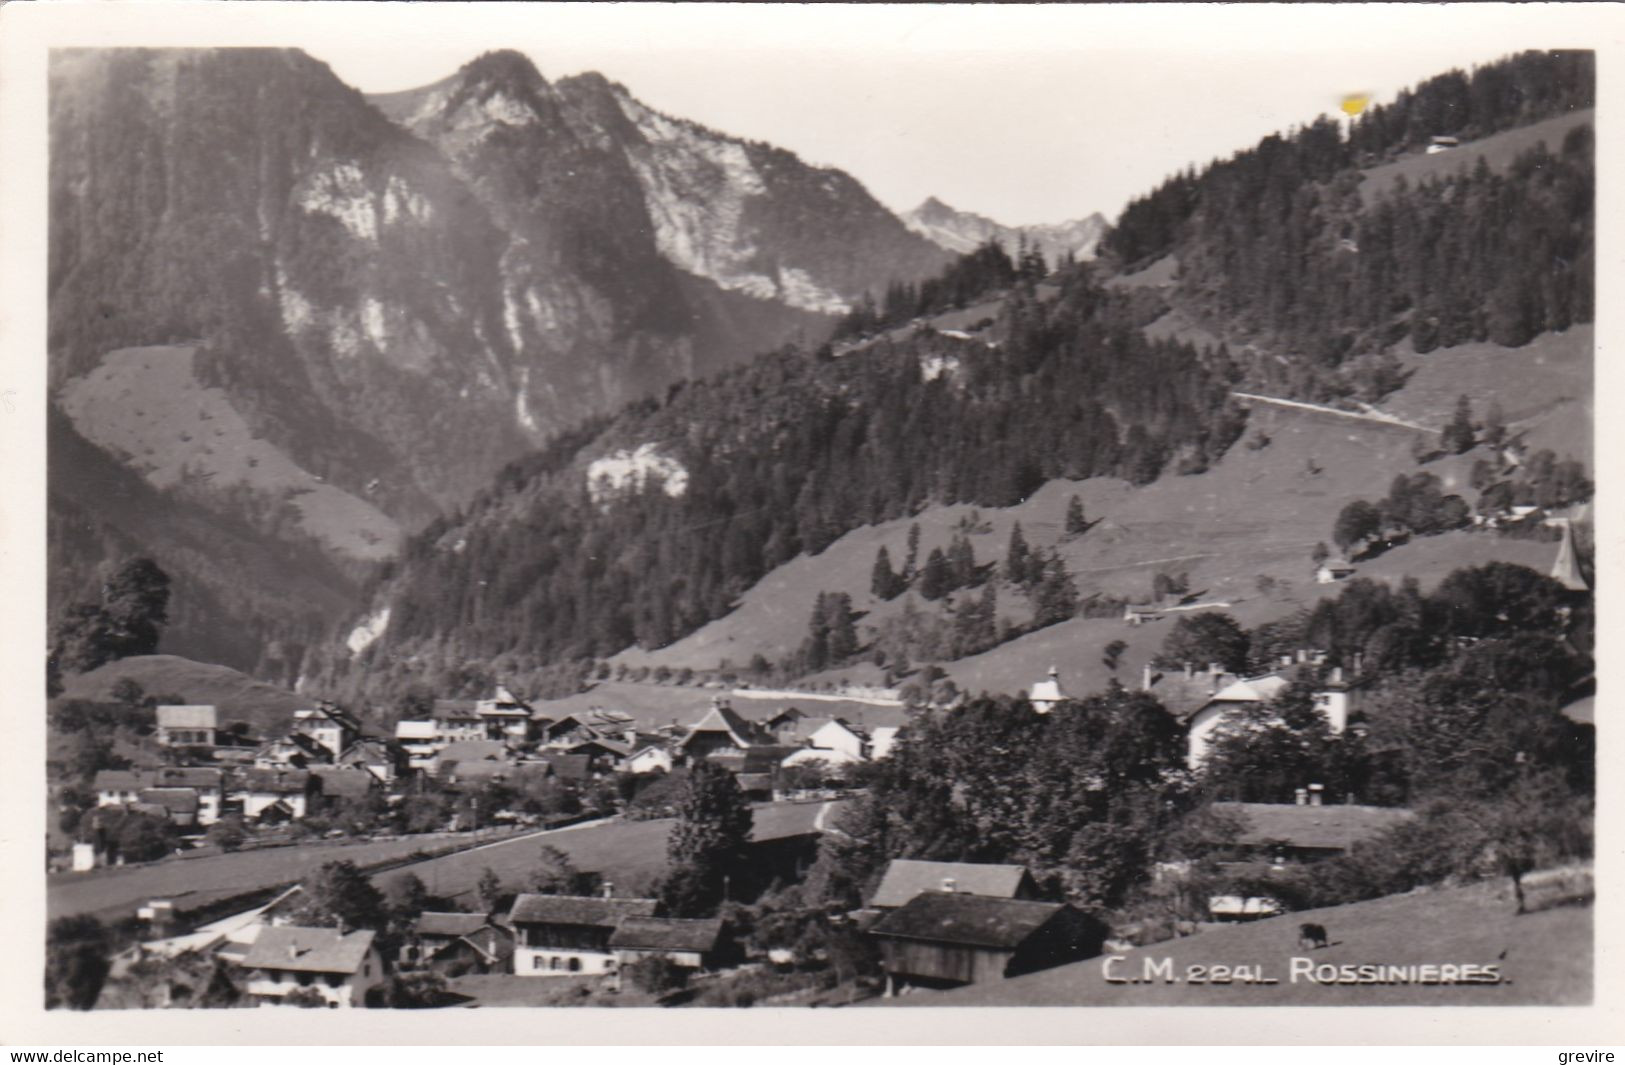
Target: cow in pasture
pixel 1311 934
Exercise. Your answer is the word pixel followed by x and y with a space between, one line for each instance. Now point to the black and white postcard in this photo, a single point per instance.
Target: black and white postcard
pixel 869 508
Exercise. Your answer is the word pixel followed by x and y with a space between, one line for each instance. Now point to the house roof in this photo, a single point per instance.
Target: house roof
pixel 968 920
pixel 1182 696
pixel 188 716
pixel 475 751
pixel 414 730
pixel 1047 690
pixel 569 766
pixel 667 933
pixel 120 780
pixel 1256 690
pixel 722 719
pixel 275 781
pixel 186 777
pixel 175 800
pixel 317 950
pixel 619 750
pixel 1318 827
pixel 907 877
pixel 577 910
pixel 820 754
pixel 455 710
pixel 304 743
pixel 434 923
pixel 345 783
pixel 465 771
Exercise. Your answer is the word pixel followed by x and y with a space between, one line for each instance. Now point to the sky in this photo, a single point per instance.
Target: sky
pixel 1025 114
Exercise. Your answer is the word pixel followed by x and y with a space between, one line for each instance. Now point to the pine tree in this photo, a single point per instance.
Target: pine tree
pixel 1458 437
pixel 936 580
pixel 913 556
pixel 839 623
pixel 884 583
pixel 1076 523
pixel 1017 557
pixel 707 844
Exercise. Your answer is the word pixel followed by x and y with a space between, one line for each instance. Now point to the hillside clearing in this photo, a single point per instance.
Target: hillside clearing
pixel 1498 150
pixel 266 707
pixel 1545 959
pixel 146 406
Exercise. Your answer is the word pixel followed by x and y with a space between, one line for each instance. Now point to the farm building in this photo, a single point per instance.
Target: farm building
pixel 1047 694
pixel 457 943
pixel 506 717
pixel 1282 832
pixel 273 794
pixel 653 758
pixel 907 877
pixel 690 943
pixel 340 966
pixel 328 725
pixel 720 731
pixel 187 726
pixel 1333 570
pixel 558 935
pixel 420 741
pixel 942 939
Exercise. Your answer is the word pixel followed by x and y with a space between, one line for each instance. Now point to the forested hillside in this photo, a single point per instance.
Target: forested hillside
pixel 1279 254
pixel 639 530
pixel 749 470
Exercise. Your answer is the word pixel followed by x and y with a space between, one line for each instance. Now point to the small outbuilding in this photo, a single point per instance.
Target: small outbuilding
pixel 941 940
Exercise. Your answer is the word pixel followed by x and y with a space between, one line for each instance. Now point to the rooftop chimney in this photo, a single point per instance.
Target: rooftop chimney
pixel 1316 792
pixel 948 884
pixel 609 889
pixel 1301 796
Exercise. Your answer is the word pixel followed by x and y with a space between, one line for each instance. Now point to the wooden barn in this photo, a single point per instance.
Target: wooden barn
pixel 941 939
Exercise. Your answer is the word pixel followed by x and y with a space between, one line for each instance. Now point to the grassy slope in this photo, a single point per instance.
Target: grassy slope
pixel 1254 513
pixel 1498 150
pixel 240 697
pixel 630 854
pixel 1548 959
pixel 146 405
pixel 655 705
pixel 1545 387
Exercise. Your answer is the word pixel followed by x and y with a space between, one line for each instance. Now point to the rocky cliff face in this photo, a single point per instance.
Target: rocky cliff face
pixel 962 231
pixel 392 298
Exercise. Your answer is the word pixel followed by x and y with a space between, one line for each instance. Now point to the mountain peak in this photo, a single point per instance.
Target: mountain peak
pixel 506 66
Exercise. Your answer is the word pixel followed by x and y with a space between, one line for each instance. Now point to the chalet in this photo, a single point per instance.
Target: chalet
pixel 345 784
pixel 115 787
pixel 946 939
pixel 720 731
pixel 834 734
pixel 329 726
pixel 603 755
pixel 454 944
pixel 1305 831
pixel 118 787
pixel 273 794
pixel 420 742
pixel 1237 695
pixel 652 758
pixel 692 944
pixel 1047 694
pixel 1442 144
pixel 296 750
pixel 506 717
pixel 557 935
pixel 340 966
pixel 784 724
pixel 568 731
pixel 1334 699
pixel 1141 615
pixel 1333 570
pixel 567 768
pixel 907 877
pixel 458 720
pixel 470 751
pixel 180 805
pixel 187 726
pixel 381 758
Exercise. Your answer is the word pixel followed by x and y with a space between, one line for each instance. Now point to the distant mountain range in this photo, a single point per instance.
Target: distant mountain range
pixel 962 231
pixel 386 299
